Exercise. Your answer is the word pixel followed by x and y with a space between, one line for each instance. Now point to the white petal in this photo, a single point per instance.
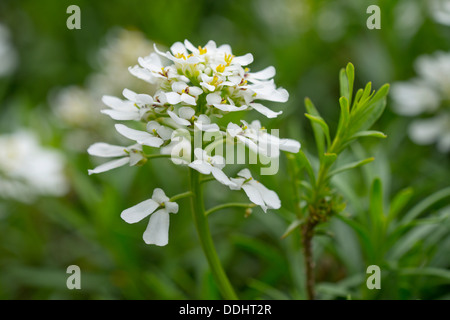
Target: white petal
pixel 229 107
pixel 196 91
pixel 213 98
pixel 179 86
pixel 110 165
pixel 254 195
pixel 190 46
pixel 186 112
pixel 233 129
pixel 201 166
pixel 173 98
pixel 141 137
pixel 245 173
pixel 157 231
pixel 243 60
pixel 265 111
pixel 122 115
pixel 118 104
pixel 289 145
pixel 207 127
pixel 101 149
pixel 270 197
pixel 220 176
pixel 178 47
pixel 264 74
pixel 177 119
pixel 159 195
pixel 141 73
pixel 171 207
pixel 139 211
pixel 188 99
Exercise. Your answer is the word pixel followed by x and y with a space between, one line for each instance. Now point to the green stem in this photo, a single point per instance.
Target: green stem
pixel 201 224
pixel 229 205
pixel 181 196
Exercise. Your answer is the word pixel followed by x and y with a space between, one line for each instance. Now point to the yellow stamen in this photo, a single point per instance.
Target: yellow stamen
pixel 180 55
pixel 228 58
pixel 246 69
pixel 220 68
pixel 202 50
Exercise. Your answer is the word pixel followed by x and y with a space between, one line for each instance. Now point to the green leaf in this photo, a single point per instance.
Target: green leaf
pixel 351 79
pixel 350 166
pixel 294 225
pixel 322 124
pixel 399 202
pixel 358 96
pixel 376 203
pixel 363 234
pixel 365 116
pixel 368 133
pixel 425 204
pixel 304 162
pixel 434 272
pixel 345 115
pixel 343 82
pixel 318 131
pixel 329 159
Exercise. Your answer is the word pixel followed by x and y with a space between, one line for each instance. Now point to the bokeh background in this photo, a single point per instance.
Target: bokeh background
pixel 52 214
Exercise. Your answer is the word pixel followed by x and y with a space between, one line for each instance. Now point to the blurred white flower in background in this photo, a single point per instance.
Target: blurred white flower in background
pixel 428 95
pixel 28 170
pixel 440 10
pixel 8 55
pixel 78 108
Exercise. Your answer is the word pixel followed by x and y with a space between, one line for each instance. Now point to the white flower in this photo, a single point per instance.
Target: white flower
pixel 128 155
pixel 184 116
pixel 28 170
pixel 140 137
pixel 440 10
pixel 256 191
pixel 256 138
pixel 206 164
pixel 428 94
pixel 157 231
pixel 431 130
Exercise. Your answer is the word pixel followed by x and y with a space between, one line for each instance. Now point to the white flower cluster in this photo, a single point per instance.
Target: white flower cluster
pixel 27 170
pixel 440 11
pixel 428 94
pixel 196 85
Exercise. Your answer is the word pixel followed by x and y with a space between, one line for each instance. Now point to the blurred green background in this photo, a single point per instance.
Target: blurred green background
pixel 307 41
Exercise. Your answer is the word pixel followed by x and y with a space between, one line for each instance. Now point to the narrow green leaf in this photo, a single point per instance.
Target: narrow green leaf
pixel 294 225
pixel 304 162
pixel 322 124
pixel 345 115
pixel 343 81
pixel 368 133
pixel 398 203
pixel 362 232
pixel 351 79
pixel 366 95
pixel 358 96
pixel 317 129
pixel 350 166
pixel 376 203
pixel 329 158
pixel 427 271
pixel 425 204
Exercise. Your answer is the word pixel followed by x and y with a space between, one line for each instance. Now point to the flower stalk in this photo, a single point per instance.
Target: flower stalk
pixel 204 234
